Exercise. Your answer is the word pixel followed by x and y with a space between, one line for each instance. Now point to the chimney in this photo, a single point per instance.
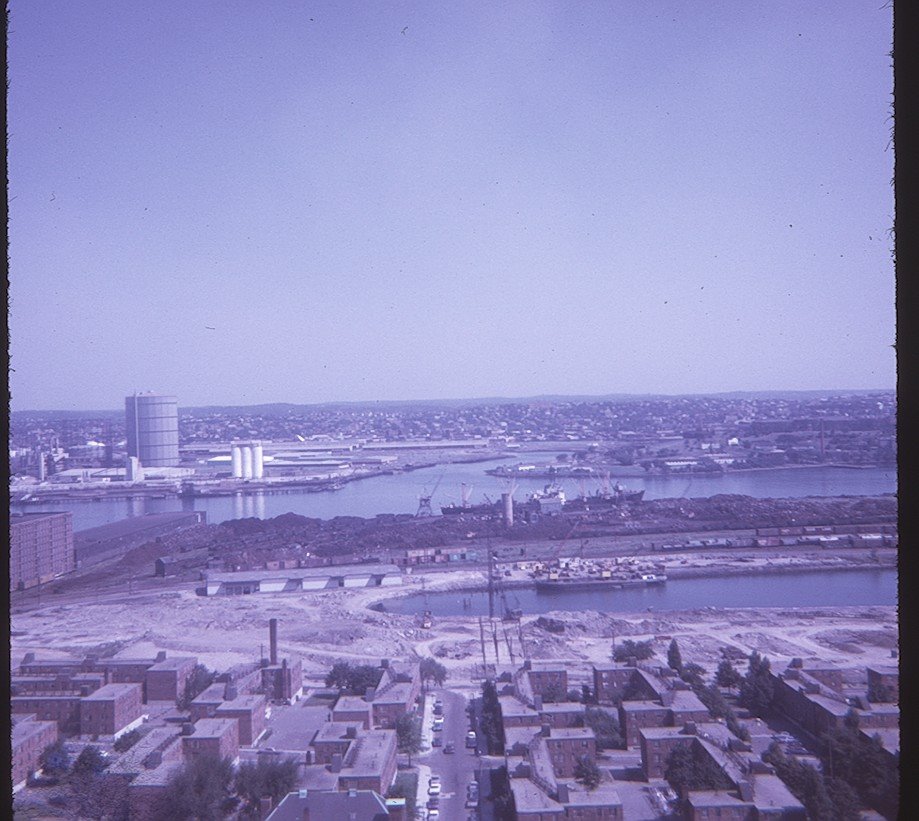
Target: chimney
pixel 631 661
pixel 273 640
pixel 265 806
pixel 746 789
pixel 667 698
pixel 527 665
pixel 230 692
pixel 384 663
pixel 84 691
pixel 796 662
pixel 161 656
pixel 336 762
pixel 188 728
pixel 370 693
pixel 545 730
pixel 537 703
pixel 350 732
pixel 563 794
pixel 689 728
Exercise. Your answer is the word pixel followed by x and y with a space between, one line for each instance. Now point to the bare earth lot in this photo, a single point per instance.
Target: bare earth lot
pixel 323 627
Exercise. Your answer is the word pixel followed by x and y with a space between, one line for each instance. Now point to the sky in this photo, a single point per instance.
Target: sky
pixel 239 202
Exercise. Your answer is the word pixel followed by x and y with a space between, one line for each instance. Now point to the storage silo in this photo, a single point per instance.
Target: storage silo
pixel 236 459
pixel 258 461
pixel 247 461
pixel 152 423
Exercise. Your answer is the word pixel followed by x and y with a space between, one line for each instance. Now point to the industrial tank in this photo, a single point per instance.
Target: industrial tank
pixel 152 422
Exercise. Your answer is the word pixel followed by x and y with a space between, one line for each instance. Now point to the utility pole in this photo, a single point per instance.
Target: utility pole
pixel 510 650
pixel 482 638
pixel 494 635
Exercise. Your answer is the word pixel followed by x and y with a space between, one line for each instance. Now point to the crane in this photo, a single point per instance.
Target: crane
pixel 424 500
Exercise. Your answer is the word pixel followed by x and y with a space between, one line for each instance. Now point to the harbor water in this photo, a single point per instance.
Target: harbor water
pixel 399 493
pixel 816 588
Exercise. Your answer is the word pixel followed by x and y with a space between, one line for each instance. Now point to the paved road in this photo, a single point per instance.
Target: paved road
pixel 457 770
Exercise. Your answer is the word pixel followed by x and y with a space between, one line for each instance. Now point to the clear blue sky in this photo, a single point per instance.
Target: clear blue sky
pixel 242 202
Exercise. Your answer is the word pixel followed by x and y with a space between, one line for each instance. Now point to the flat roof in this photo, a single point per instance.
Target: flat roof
pixel 293 726
pixel 642 706
pixel 212 727
pixel 174 663
pixel 131 761
pixel 211 695
pixel 336 731
pixel 351 704
pixel 528 798
pixel 512 706
pixel 769 791
pixel 245 703
pixel 110 691
pixel 306 572
pixel 367 753
pixel 23 730
pixel 571 732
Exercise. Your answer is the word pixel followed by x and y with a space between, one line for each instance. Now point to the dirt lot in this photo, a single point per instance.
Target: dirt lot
pixel 323 627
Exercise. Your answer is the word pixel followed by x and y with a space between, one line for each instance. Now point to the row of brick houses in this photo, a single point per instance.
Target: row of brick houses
pixel 396 694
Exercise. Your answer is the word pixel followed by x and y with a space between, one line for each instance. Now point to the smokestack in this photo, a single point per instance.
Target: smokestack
pixel 508 501
pixel 273 640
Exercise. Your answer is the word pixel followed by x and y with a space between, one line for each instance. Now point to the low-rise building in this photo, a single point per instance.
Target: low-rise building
pixel 165 680
pixel 249 711
pixel 29 739
pixel 213 737
pixel 355 805
pixel 111 710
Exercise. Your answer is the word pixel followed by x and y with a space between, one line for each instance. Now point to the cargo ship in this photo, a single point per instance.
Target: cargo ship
pixel 605 581
pixel 600 500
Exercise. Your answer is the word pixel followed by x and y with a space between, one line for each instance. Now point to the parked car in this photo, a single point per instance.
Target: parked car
pixel 438 707
pixel 438 724
pixel 471 740
pixel 433 802
pixel 449 747
pixel 433 815
pixel 437 741
pixel 433 787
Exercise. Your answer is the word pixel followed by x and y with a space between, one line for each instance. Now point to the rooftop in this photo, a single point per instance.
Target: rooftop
pixel 361 804
pixel 174 663
pixel 306 573
pixel 368 752
pixel 528 798
pixel 213 727
pixel 110 691
pixel 293 727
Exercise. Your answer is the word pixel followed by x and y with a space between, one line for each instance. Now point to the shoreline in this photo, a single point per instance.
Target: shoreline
pixel 717 571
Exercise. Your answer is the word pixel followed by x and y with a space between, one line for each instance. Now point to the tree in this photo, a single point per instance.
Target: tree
pixel 605 726
pixel 196 791
pixel 90 762
pixel 674 659
pixel 99 797
pixel 689 767
pixel 408 734
pixel 692 674
pixel 354 679
pixel 255 780
pixel 631 649
pixel 726 675
pixel 587 773
pixel 553 693
pixel 880 693
pixel 492 724
pixel 431 669
pixel 757 687
pixel 54 759
pixel 200 679
pixel 126 741
pixel 825 799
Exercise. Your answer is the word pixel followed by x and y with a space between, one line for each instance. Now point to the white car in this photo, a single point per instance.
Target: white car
pixel 433 787
pixel 433 815
pixel 438 724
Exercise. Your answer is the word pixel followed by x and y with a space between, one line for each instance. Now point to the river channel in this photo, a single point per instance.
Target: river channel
pixel 816 588
pixel 399 493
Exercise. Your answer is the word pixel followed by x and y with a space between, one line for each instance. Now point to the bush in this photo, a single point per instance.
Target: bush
pixel 55 760
pixel 90 761
pixel 272 778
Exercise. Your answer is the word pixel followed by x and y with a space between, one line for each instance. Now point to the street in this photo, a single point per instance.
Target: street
pixel 456 770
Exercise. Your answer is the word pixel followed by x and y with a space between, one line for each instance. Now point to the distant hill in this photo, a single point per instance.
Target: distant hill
pixel 285 408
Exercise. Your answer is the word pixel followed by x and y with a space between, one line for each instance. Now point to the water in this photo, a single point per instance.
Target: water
pixel 399 493
pixel 860 588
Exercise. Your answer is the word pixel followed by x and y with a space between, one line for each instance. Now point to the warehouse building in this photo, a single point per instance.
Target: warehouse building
pixel 302 579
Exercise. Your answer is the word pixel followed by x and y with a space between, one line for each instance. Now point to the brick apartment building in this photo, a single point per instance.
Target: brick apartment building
pixel 111 710
pixel 29 738
pixel 165 680
pixel 249 712
pixel 213 737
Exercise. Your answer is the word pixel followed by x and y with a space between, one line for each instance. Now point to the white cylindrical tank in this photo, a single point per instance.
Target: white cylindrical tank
pixel 258 463
pixel 247 462
pixel 508 500
pixel 236 457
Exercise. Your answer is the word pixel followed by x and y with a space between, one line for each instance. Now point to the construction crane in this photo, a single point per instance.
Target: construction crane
pixel 424 501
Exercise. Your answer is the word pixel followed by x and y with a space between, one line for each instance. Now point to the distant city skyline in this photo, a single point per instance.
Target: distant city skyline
pixel 252 204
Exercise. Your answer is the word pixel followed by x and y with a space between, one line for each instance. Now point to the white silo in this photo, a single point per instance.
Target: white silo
pixel 258 462
pixel 247 462
pixel 236 458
